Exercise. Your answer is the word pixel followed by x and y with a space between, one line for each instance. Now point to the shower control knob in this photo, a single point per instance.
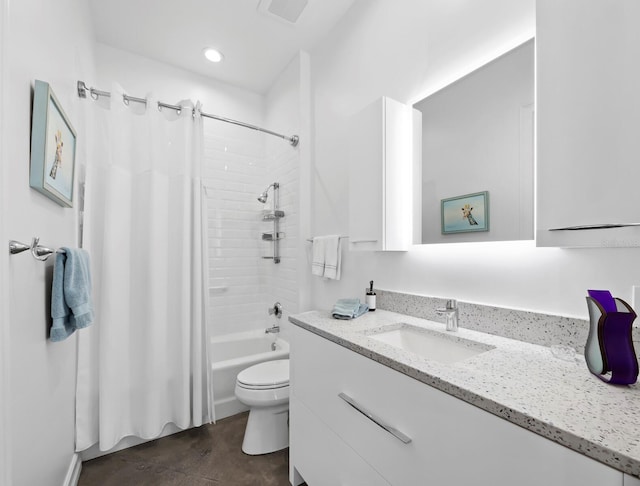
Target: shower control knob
pixel 276 309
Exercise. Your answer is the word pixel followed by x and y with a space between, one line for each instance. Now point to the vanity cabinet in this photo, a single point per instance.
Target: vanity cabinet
pixel 380 177
pixel 631 481
pixel 451 441
pixel 325 458
pixel 588 120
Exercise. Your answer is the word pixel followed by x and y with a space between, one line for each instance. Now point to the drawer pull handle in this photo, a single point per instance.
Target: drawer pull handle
pixel 377 420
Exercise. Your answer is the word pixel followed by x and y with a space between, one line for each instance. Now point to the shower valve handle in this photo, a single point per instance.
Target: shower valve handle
pixel 276 309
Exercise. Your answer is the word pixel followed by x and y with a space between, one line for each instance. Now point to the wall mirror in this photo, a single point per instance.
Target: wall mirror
pixel 478 138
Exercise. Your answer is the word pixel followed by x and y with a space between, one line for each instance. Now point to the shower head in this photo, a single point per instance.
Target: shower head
pixel 263 197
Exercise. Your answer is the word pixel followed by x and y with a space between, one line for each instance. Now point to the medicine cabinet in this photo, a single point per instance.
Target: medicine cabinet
pixel 380 176
pixel 588 123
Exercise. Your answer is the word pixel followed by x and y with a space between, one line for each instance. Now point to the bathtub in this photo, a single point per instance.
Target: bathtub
pixel 232 353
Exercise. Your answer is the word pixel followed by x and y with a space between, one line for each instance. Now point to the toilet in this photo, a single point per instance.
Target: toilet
pixel 264 388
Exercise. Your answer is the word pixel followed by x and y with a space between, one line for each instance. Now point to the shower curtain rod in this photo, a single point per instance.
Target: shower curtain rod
pixel 96 93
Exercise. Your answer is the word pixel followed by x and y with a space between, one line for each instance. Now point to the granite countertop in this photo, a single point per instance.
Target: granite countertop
pixel 520 382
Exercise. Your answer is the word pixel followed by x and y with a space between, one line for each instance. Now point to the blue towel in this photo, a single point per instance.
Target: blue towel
pixel 348 309
pixel 71 306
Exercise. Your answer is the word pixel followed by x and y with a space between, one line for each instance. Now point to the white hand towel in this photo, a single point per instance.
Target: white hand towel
pixel 318 256
pixel 332 257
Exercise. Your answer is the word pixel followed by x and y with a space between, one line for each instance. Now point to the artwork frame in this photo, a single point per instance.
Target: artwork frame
pixel 53 147
pixel 452 221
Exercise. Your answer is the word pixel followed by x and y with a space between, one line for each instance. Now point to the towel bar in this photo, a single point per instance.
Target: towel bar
pixel 38 251
pixel 311 239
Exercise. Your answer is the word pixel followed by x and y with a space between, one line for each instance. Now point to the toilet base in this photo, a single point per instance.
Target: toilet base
pixel 267 430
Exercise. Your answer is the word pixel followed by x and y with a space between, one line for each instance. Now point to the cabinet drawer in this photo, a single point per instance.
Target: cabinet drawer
pixel 452 442
pixel 321 457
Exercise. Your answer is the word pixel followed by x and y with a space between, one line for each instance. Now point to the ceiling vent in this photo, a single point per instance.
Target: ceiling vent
pixel 287 10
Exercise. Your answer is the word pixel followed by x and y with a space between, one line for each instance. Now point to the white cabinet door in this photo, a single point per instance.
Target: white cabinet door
pixel 321 457
pixel 452 442
pixel 588 121
pixel 631 481
pixel 380 171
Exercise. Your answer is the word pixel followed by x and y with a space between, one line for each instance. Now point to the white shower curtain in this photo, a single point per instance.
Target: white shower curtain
pixel 143 364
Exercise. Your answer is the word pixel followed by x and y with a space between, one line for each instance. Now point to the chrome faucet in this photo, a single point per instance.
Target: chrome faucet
pixel 451 313
pixel 273 329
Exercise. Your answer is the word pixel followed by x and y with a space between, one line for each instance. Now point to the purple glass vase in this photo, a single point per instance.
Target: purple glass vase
pixel 609 351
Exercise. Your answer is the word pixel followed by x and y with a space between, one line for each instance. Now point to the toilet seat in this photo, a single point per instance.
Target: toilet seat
pixel 268 375
pixel 255 387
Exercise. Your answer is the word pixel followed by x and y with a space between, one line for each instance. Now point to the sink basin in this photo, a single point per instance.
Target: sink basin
pixel 444 348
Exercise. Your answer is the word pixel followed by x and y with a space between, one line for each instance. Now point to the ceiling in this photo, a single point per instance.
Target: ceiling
pixel 257 46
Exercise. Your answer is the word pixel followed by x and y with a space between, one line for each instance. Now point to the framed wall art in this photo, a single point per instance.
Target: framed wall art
pixel 462 214
pixel 53 147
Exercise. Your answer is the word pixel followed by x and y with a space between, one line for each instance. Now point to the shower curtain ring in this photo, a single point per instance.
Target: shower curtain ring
pixel 177 108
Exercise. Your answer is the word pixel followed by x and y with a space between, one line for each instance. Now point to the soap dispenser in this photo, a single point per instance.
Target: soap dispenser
pixel 370 298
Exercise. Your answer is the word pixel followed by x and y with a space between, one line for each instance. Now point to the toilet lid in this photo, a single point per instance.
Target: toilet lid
pixel 270 374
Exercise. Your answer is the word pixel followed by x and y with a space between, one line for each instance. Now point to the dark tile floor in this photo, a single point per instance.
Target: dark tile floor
pixel 207 455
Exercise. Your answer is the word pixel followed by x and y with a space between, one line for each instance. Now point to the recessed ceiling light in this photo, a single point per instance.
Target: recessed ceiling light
pixel 212 54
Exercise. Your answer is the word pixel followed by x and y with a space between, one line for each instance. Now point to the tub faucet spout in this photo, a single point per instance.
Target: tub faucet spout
pixel 271 330
pixel 451 314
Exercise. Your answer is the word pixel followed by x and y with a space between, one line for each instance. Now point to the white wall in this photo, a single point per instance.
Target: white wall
pixel 284 115
pixel 5 283
pixel 51 42
pixel 405 53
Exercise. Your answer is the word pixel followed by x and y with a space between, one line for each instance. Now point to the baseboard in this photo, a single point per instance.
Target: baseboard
pixel 228 407
pixel 73 473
